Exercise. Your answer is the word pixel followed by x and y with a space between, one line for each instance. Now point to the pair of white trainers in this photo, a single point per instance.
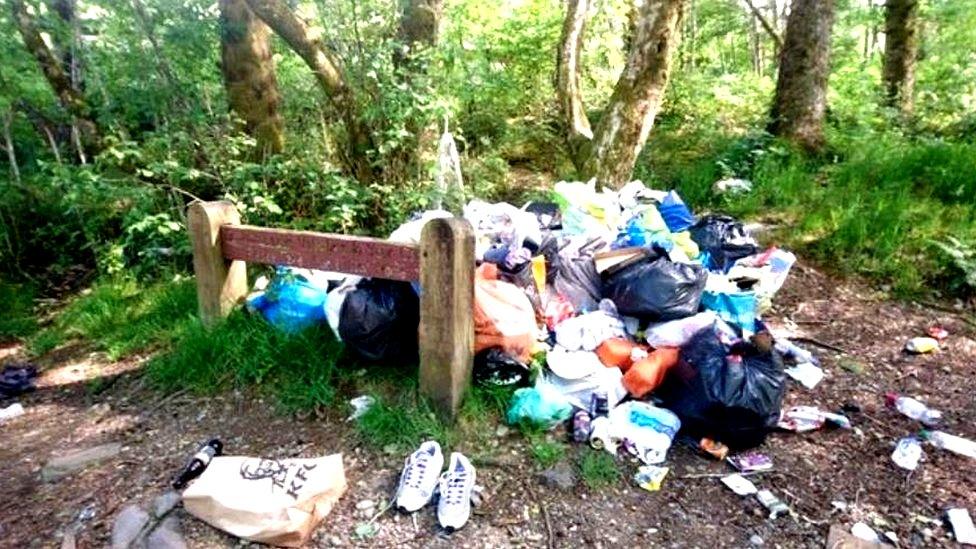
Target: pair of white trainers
pixel 422 478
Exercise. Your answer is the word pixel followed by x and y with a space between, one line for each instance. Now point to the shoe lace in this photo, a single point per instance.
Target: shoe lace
pixel 454 488
pixel 415 471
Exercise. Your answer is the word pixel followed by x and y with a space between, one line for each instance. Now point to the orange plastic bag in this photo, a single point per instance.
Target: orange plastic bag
pixel 618 352
pixel 503 315
pixel 648 373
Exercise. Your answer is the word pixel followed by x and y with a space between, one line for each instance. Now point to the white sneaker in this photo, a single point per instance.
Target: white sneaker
pixel 456 484
pixel 419 477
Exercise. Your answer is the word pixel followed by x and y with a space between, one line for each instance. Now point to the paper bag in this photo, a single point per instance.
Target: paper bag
pixel 278 502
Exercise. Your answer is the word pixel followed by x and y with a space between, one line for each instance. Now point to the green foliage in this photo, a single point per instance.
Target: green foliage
pixel 18 319
pixel 598 469
pixel 963 257
pixel 120 318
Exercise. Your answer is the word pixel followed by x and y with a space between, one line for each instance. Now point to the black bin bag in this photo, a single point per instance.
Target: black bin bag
pixel 724 238
pixel 731 394
pixel 656 289
pixel 379 320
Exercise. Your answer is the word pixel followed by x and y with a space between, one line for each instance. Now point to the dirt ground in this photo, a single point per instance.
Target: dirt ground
pixel 827 477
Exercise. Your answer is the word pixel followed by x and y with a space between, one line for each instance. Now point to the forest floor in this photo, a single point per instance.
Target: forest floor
pixel 828 477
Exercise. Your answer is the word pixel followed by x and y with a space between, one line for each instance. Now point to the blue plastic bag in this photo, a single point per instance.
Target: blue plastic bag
pixel 291 303
pixel 540 406
pixel 738 309
pixel 676 214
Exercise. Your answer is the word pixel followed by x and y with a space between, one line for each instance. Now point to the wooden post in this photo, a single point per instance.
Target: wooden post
pixel 220 283
pixel 446 312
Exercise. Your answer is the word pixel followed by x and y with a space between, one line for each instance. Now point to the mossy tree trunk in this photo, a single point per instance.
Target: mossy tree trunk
pixel 800 102
pixel 901 54
pixel 249 74
pixel 324 63
pixel 86 131
pixel 612 151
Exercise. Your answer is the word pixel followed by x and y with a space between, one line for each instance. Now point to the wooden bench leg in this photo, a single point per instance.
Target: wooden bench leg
pixel 446 312
pixel 220 283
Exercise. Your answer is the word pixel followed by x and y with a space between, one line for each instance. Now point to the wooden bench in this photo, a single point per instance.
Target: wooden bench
pixel 443 262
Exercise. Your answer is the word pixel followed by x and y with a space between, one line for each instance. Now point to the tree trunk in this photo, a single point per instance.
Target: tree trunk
pixel 901 52
pixel 330 76
pixel 801 89
pixel 419 26
pixel 568 89
pixel 627 121
pixel 249 75
pixel 70 98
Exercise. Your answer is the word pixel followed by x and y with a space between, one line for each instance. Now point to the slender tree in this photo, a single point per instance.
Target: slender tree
pixel 901 53
pixel 801 88
pixel 249 74
pixel 610 151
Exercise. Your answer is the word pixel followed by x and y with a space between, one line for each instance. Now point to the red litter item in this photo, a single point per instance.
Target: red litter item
pixel 938 333
pixel 647 374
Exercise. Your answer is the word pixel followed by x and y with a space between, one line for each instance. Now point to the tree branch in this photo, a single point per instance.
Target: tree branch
pixel 765 24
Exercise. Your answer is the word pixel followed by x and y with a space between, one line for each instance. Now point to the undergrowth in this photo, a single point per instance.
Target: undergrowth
pixel 598 469
pixel 877 206
pixel 17 320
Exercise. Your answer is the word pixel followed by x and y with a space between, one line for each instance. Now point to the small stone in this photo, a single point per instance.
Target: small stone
pixel 756 540
pixel 335 541
pixel 560 476
pixel 167 535
pixel 165 502
pixel 502 431
pixel 76 460
pixel 128 524
pixel 365 504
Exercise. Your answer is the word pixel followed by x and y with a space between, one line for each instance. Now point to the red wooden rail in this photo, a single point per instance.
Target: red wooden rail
pixel 443 262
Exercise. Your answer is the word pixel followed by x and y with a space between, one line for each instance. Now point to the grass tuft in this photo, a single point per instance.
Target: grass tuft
pixel 598 469
pixel 18 320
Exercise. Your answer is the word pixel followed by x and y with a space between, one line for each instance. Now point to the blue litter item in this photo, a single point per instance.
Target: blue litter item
pixel 635 234
pixel 738 309
pixel 676 214
pixel 291 303
pixel 539 406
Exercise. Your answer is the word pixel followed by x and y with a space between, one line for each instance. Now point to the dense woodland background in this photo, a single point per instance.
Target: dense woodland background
pixel 856 120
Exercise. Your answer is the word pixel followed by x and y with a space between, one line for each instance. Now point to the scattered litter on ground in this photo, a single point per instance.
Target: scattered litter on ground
pixel 751 462
pixel 650 477
pixel 861 530
pixel 922 345
pixel 773 504
pixel 962 526
pixel 14 410
pixel 739 484
pixel 907 454
pixel 360 405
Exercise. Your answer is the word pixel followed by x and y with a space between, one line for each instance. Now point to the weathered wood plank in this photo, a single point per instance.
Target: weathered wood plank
pixel 221 283
pixel 446 312
pixel 328 252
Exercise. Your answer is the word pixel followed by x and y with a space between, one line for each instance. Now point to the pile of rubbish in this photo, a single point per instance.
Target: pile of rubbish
pixel 642 318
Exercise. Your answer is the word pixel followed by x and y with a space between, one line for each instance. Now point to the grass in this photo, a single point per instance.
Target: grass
pixel 18 320
pixel 547 453
pixel 598 469
pixel 874 205
pixel 300 369
pixel 121 318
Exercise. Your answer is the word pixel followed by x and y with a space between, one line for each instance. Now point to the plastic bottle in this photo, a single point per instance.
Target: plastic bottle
pixel 914 409
pixel 956 445
pixel 198 463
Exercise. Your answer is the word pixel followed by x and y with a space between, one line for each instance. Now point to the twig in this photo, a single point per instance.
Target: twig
pixel 166 400
pixel 819 343
pixel 725 474
pixel 961 315
pixel 545 516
